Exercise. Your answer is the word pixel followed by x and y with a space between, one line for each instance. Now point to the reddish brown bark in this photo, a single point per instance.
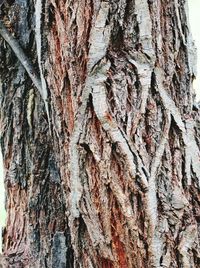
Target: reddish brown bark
pixel 110 178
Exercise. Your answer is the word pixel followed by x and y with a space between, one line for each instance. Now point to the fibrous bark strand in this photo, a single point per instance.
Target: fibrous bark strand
pixel 116 182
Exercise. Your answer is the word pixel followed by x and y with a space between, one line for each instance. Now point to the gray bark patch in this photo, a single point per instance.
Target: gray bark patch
pixel 59 251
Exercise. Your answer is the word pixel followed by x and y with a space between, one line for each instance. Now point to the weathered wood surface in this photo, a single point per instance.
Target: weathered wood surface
pixel 105 172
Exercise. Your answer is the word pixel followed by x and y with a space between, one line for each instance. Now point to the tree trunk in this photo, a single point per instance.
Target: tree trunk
pixel 101 156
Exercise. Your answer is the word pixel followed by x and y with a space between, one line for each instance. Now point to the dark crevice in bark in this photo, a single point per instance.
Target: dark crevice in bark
pixel 134 125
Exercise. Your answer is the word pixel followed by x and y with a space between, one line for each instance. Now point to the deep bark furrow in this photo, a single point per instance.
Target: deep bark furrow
pixel 115 183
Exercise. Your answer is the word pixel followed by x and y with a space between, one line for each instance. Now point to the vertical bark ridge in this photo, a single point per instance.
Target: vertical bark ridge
pixel 117 182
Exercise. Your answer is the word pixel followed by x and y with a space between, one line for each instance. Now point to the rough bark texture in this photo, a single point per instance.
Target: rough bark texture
pixel 102 165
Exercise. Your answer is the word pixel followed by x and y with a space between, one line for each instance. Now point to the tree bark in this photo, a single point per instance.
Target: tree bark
pixel 102 158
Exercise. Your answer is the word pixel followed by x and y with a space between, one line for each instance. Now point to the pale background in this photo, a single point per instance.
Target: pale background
pixel 194 18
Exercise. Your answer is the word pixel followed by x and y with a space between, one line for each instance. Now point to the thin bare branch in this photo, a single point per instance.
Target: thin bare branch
pixel 25 61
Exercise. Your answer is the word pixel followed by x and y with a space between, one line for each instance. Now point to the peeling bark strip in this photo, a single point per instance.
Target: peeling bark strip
pixel 116 182
pixel 38 38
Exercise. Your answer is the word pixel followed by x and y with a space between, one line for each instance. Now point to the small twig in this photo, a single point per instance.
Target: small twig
pixel 27 64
